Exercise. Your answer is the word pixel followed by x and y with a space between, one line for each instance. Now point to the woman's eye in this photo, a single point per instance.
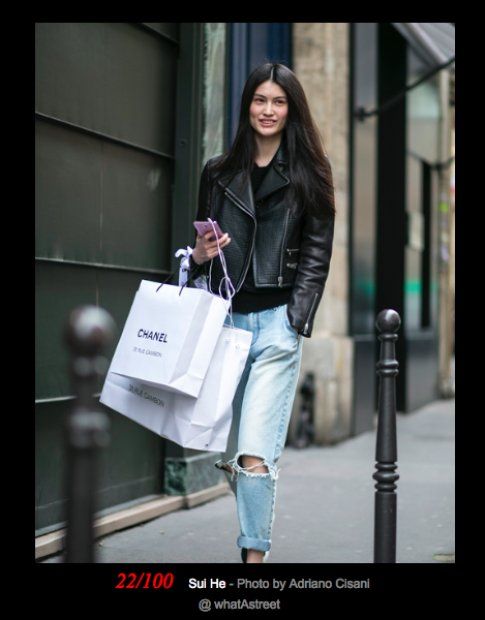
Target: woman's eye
pixel 277 102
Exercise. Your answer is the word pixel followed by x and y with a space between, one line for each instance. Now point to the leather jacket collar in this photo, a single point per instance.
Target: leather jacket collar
pixel 274 179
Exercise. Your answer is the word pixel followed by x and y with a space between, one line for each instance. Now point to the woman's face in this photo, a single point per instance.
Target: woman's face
pixel 268 109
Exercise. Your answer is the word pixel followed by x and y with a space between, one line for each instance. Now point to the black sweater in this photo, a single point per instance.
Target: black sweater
pixel 249 298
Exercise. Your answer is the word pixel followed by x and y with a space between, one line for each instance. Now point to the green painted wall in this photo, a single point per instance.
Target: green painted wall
pixel 105 133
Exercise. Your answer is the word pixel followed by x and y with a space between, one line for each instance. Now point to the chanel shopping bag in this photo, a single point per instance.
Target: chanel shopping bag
pixel 169 336
pixel 201 423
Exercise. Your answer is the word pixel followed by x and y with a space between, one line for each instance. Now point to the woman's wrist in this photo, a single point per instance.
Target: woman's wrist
pixel 194 259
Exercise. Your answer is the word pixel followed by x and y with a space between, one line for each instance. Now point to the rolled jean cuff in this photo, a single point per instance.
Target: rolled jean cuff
pixel 254 543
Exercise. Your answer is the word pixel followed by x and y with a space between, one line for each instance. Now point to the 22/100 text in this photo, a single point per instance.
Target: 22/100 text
pixel 132 581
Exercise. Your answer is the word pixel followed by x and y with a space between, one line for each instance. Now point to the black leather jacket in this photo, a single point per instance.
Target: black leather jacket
pixel 291 249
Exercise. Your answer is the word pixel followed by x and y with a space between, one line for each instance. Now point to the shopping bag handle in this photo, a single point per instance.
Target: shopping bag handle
pixel 226 280
pixel 189 277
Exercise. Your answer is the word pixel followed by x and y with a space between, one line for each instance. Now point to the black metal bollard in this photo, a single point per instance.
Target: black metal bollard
pixel 88 331
pixel 388 322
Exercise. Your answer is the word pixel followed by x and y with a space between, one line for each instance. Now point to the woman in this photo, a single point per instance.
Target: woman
pixel 272 195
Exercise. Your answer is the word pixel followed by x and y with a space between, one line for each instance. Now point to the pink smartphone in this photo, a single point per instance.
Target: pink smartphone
pixel 204 227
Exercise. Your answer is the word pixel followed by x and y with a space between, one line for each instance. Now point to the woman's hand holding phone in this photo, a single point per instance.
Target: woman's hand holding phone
pixel 206 246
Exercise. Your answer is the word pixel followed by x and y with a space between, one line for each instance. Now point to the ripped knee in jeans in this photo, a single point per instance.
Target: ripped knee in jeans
pixel 250 465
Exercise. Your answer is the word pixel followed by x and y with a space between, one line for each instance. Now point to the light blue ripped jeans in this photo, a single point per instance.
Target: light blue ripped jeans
pixel 262 408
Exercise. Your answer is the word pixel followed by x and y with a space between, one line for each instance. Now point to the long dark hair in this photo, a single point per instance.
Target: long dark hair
pixel 309 168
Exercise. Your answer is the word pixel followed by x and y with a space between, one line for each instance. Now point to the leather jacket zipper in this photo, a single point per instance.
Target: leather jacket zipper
pixel 237 202
pixel 280 277
pixel 305 329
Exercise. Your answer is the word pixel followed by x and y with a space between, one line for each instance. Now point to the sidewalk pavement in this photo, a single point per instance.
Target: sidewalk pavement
pixel 324 505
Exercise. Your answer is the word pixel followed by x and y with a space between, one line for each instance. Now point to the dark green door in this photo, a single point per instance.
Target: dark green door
pixel 105 121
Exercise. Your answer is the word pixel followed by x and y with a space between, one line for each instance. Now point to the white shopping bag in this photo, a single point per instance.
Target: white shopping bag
pixel 201 423
pixel 169 336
